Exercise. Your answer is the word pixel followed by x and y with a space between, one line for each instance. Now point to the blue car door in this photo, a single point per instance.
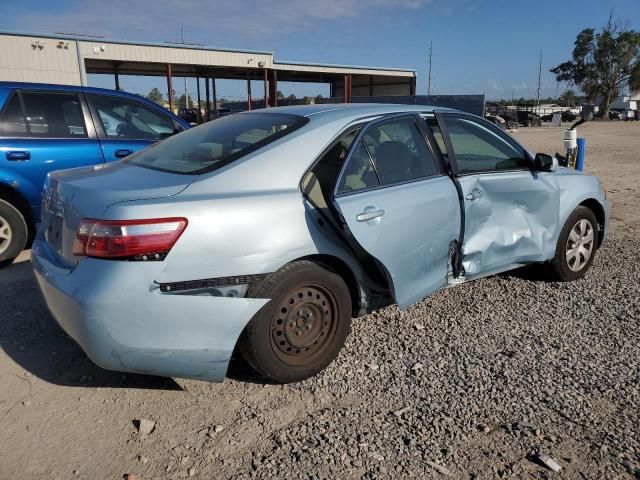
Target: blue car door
pixel 126 125
pixel 511 212
pixel 400 205
pixel 44 131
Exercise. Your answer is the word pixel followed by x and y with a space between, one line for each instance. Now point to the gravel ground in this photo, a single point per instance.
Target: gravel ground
pixel 472 382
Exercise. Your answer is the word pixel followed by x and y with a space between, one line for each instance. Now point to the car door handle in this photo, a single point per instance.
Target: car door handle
pixel 18 155
pixel 123 153
pixel 370 213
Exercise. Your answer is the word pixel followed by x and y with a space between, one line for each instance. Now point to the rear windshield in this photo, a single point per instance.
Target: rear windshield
pixel 216 143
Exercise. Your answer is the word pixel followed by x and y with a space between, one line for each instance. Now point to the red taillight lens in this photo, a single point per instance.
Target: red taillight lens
pixel 145 239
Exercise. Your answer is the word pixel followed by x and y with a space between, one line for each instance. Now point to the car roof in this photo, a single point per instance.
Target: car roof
pixel 67 88
pixel 347 111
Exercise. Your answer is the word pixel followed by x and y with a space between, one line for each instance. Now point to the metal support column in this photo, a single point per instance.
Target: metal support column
pixel 248 93
pixel 169 87
pixel 116 78
pixel 412 88
pixel 347 88
pixel 215 98
pixel 199 115
pixel 207 110
pixel 371 85
pixel 273 89
pixel 266 88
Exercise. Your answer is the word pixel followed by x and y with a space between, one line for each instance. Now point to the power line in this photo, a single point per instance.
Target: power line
pixel 430 55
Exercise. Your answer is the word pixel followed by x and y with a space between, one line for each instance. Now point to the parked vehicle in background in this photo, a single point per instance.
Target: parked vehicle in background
pixel 615 115
pixel 269 230
pixel 636 115
pixel 221 112
pixel 565 116
pixel 53 127
pixel 528 119
pixel 188 114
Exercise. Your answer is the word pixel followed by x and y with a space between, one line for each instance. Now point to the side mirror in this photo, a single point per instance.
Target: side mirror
pixel 586 113
pixel 545 163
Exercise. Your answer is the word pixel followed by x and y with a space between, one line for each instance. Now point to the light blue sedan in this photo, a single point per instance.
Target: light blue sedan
pixel 269 230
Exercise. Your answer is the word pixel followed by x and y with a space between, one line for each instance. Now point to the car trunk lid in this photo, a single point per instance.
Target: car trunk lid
pixel 71 195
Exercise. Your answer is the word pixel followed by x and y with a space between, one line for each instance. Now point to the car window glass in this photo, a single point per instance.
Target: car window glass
pixel 478 148
pixel 437 133
pixel 399 151
pixel 215 144
pixel 12 121
pixel 319 182
pixel 54 115
pixel 359 172
pixel 130 120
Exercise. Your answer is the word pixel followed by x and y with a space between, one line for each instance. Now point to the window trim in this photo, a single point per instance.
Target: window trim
pixel 384 118
pixel 441 118
pixel 100 131
pixel 86 116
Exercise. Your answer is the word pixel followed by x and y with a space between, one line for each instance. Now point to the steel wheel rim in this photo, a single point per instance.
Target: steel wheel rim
pixel 303 324
pixel 5 235
pixel 579 245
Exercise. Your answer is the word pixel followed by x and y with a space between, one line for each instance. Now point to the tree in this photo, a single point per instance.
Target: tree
pixel 279 95
pixel 568 98
pixel 603 63
pixel 155 95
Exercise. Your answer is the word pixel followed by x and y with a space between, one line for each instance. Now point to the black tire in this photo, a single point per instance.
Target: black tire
pixel 559 267
pixel 13 233
pixel 304 326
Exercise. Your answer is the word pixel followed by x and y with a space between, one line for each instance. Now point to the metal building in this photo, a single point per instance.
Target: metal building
pixel 67 59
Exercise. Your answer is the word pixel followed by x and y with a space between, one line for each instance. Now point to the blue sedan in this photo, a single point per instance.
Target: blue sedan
pixel 270 230
pixel 52 127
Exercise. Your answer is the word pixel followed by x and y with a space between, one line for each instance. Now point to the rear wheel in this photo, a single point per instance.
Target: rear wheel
pixel 576 245
pixel 13 233
pixel 304 326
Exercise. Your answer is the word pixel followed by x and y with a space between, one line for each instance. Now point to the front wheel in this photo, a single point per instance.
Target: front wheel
pixel 576 246
pixel 13 233
pixel 304 326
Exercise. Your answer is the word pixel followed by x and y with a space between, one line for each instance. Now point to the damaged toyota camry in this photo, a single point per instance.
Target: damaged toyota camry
pixel 268 231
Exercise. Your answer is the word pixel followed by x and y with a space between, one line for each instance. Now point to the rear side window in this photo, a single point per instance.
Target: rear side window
pixel 130 120
pixel 217 143
pixel 390 152
pixel 12 122
pixel 54 115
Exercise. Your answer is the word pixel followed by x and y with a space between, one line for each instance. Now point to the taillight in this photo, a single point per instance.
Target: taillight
pixel 149 239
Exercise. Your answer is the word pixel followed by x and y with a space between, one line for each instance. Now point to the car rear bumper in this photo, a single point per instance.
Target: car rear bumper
pixel 114 311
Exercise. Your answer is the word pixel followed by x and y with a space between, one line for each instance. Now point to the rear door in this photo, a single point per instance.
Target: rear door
pixel 43 131
pixel 399 205
pixel 125 126
pixel 511 212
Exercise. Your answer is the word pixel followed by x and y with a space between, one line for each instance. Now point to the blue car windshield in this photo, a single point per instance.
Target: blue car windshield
pixel 216 143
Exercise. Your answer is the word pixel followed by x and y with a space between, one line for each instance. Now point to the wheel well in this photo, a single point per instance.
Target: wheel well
pixel 595 206
pixel 342 269
pixel 11 196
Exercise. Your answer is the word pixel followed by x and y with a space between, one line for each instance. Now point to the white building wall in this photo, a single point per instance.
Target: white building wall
pixel 36 59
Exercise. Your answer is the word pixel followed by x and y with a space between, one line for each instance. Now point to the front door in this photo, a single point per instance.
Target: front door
pixel 511 212
pixel 400 206
pixel 126 126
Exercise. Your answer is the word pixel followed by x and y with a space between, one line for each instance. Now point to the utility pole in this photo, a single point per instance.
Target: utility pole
pixel 430 55
pixel 186 94
pixel 539 78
